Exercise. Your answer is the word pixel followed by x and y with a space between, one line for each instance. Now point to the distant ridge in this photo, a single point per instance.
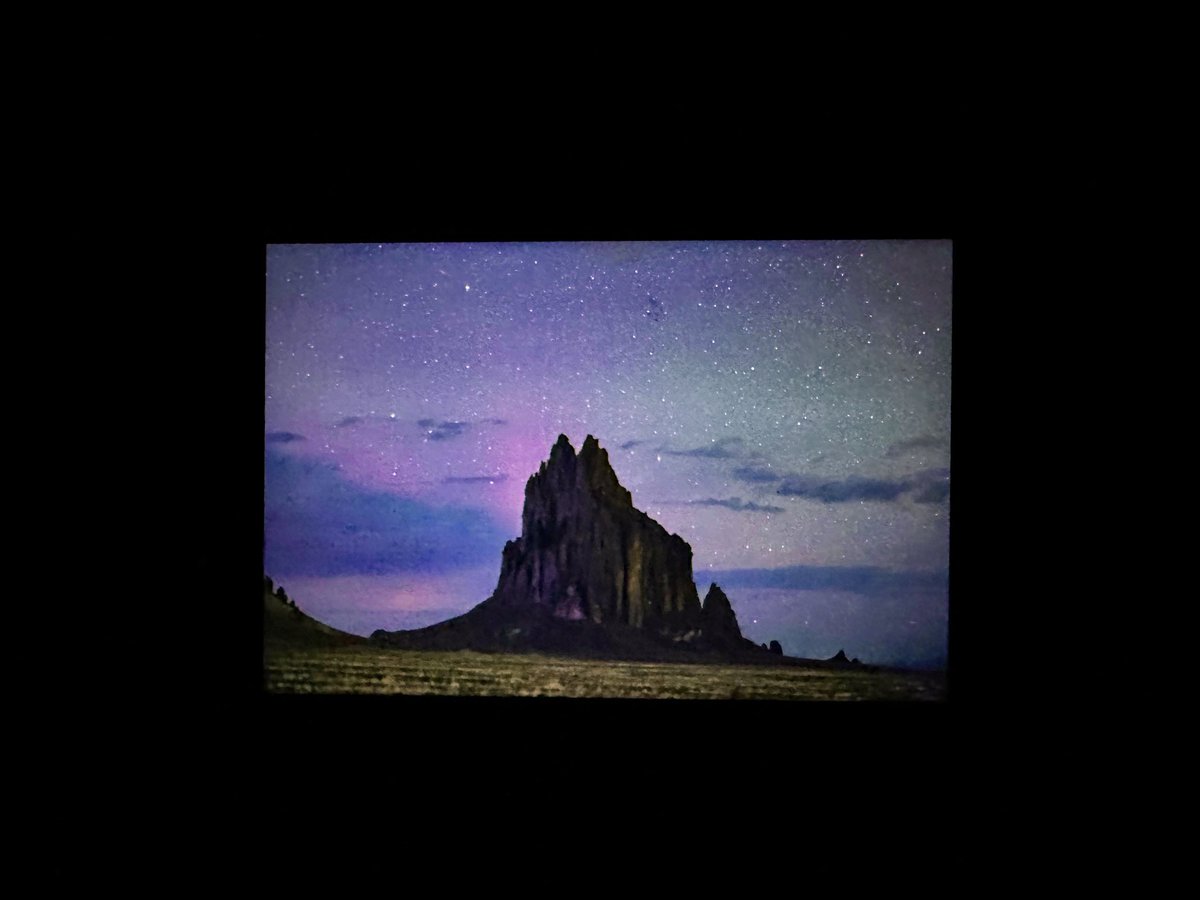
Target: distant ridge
pixel 286 625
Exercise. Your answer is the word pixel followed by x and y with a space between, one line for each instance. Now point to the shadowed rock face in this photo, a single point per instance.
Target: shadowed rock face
pixel 586 553
pixel 718 620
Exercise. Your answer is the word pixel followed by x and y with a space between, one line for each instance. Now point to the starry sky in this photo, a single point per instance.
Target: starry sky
pixel 784 406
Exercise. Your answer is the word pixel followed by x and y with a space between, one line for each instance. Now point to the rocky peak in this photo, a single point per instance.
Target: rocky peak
pixel 562 453
pixel 585 552
pixel 717 615
pixel 570 486
pixel 557 473
pixel 598 475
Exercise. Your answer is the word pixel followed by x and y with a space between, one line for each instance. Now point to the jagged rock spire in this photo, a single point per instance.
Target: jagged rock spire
pixel 562 450
pixel 585 552
pixel 599 476
pixel 717 616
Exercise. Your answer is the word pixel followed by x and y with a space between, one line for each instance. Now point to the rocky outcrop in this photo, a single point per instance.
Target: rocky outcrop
pixel 776 647
pixel 585 552
pixel 840 661
pixel 717 619
pixel 591 575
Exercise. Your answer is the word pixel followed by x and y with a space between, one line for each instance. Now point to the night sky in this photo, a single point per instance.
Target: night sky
pixel 783 406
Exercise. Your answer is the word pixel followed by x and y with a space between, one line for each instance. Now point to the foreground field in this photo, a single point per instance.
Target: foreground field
pixel 367 670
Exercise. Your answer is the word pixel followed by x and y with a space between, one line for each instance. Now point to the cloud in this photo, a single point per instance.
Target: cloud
pixel 857 579
pixel 846 490
pixel 736 504
pixel 475 479
pixel 436 431
pixel 629 445
pixel 716 450
pixel 755 474
pixel 934 493
pixel 924 442
pixel 927 486
pixel 284 437
pixel 442 431
pixel 931 485
pixel 319 522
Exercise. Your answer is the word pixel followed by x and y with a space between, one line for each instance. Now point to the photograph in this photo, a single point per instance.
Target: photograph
pixel 609 470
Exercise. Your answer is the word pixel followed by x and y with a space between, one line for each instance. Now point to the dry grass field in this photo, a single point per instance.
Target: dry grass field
pixel 368 670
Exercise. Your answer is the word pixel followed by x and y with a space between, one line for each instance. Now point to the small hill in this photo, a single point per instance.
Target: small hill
pixel 284 625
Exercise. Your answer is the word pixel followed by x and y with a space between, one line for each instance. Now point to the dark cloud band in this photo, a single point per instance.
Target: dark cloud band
pixel 721 449
pixel 319 522
pixel 924 442
pixel 926 486
pixel 856 579
pixel 844 491
pixel 284 437
pixel 736 504
pixel 442 431
pixel 755 474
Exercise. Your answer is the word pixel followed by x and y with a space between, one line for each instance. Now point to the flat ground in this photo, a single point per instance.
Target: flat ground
pixel 369 670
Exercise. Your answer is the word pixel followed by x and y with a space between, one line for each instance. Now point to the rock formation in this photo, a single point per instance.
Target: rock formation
pixel 776 647
pixel 841 661
pixel 718 622
pixel 590 574
pixel 586 553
